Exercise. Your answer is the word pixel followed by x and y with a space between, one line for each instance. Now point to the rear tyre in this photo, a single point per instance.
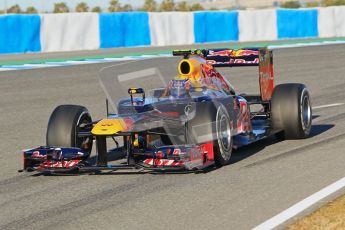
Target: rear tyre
pixel 291 111
pixel 61 131
pixel 211 124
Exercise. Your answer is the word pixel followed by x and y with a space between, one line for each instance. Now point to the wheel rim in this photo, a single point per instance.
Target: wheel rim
pixel 306 112
pixel 224 135
pixel 84 142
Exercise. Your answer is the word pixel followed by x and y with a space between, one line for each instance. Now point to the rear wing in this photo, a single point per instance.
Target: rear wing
pixel 232 58
pixel 225 57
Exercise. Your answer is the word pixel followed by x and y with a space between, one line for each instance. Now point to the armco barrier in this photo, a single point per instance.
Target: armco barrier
pixel 89 31
pixel 215 26
pixel 19 34
pixel 71 31
pixel 124 29
pixel 297 23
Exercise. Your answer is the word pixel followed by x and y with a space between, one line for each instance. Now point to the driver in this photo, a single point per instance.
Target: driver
pixel 178 88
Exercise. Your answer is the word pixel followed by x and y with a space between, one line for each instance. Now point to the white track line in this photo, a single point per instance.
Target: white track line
pixel 327 106
pixel 301 206
pixel 307 202
pixel 33 66
pixel 7 69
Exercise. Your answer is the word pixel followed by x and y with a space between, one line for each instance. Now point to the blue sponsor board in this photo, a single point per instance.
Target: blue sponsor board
pixel 20 33
pixel 216 26
pixel 297 23
pixel 124 29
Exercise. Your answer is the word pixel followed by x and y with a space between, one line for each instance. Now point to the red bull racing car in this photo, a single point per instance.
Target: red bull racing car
pixel 185 119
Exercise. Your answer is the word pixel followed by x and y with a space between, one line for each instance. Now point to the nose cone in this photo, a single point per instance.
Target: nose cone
pixel 109 127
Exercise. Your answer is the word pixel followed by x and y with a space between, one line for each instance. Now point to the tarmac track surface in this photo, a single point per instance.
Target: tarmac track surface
pixel 263 179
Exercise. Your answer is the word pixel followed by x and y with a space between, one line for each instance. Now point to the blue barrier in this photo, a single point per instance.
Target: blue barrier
pixel 215 26
pixel 297 23
pixel 124 29
pixel 20 33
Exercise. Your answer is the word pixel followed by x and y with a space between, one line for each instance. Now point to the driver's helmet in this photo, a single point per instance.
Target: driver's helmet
pixel 179 88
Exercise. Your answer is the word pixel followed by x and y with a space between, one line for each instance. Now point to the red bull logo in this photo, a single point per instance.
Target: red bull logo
pixel 243 61
pixel 239 53
pixel 232 53
pixel 234 61
pixel 223 53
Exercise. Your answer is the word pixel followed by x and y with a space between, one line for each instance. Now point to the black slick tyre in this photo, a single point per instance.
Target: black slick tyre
pixel 61 130
pixel 291 111
pixel 211 124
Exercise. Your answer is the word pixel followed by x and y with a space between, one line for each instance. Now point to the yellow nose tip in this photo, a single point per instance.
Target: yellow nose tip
pixel 109 127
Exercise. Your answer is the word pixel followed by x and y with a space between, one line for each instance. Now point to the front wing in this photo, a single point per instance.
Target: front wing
pixel 166 158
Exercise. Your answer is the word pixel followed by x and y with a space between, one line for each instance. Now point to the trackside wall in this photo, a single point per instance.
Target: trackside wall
pixel 89 31
pixel 20 34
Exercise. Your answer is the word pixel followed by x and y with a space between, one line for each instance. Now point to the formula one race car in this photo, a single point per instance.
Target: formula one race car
pixel 189 122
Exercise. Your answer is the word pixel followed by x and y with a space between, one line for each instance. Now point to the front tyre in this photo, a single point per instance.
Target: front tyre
pixel 61 130
pixel 291 111
pixel 211 124
pixel 224 142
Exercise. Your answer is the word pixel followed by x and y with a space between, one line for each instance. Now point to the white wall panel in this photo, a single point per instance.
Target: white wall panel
pixel 171 28
pixel 339 21
pixel 331 21
pixel 68 32
pixel 257 25
pixel 326 23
